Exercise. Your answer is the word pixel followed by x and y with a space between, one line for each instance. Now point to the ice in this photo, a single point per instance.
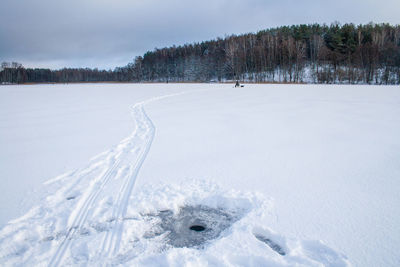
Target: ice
pixel 272 244
pixel 192 226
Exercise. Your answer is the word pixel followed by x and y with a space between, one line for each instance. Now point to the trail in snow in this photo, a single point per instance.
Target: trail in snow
pixel 94 198
pixel 128 159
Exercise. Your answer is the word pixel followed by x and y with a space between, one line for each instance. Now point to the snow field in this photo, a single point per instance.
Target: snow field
pixel 309 162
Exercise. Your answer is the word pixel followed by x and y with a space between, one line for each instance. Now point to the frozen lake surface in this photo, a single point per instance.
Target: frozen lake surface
pixel 276 174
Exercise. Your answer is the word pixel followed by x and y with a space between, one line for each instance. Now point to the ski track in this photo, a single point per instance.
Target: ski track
pixel 127 159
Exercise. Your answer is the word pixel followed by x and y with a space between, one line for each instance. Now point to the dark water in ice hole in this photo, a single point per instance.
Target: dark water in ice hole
pixel 193 226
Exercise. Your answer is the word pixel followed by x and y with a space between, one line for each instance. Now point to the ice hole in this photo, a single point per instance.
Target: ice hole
pixel 183 229
pixel 197 228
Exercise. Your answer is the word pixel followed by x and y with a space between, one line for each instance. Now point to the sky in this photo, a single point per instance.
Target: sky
pixel 110 33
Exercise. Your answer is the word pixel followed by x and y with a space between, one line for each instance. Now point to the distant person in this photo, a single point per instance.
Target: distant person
pixel 237 84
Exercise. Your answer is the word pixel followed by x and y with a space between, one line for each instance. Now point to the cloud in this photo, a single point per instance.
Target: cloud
pixel 108 33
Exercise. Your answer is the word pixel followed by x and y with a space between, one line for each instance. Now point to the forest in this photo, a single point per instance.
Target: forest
pixel 348 53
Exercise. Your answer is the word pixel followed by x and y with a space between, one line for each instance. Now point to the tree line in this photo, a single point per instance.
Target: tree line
pixel 301 53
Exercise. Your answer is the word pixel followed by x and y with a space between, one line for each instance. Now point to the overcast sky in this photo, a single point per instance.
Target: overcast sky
pixel 110 33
